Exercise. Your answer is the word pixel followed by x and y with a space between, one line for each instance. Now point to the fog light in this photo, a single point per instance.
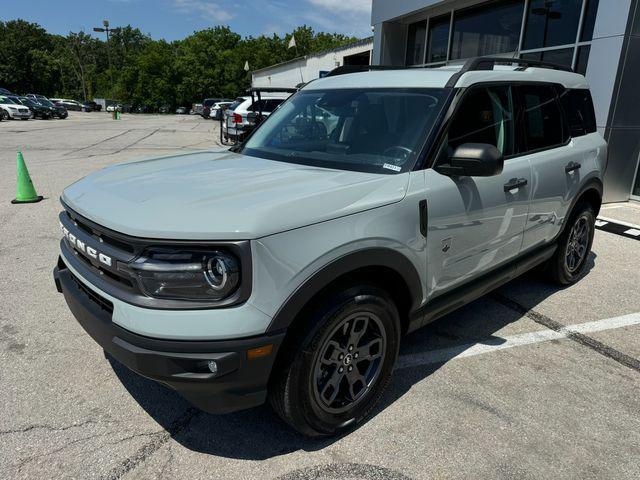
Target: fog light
pixel 213 366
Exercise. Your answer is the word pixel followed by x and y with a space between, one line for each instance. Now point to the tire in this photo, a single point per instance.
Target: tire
pixel 325 387
pixel 5 115
pixel 570 260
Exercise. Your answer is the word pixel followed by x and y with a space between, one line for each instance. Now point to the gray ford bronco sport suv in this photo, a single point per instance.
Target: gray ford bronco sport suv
pixel 366 206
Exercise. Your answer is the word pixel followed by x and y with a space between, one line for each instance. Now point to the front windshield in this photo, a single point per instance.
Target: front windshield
pixel 371 130
pixel 45 102
pixel 8 100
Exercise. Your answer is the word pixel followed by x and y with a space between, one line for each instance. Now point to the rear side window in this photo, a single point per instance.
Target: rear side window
pixel 579 112
pixel 542 117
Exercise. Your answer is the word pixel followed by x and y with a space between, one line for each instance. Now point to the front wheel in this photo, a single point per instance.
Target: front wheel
pixel 5 115
pixel 344 364
pixel 570 260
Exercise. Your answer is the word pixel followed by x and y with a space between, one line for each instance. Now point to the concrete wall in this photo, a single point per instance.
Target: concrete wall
pixel 305 69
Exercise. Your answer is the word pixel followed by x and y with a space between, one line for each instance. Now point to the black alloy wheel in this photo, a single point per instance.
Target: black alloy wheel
pixel 570 260
pixel 349 362
pixel 338 361
pixel 576 249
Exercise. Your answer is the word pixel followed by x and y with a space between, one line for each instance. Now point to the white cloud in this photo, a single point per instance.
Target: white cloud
pixel 207 9
pixel 355 6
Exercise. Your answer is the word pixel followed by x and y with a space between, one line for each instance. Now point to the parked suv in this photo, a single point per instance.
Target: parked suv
pixel 368 205
pixel 240 117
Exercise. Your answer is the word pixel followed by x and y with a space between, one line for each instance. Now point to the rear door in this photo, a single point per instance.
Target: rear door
pixel 476 224
pixel 555 162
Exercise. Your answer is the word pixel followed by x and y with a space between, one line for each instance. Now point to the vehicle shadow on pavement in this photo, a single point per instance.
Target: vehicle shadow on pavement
pixel 258 434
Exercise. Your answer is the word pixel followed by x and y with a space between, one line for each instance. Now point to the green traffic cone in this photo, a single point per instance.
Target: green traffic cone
pixel 25 192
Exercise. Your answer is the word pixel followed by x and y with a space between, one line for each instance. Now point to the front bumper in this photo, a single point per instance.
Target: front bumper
pixel 182 365
pixel 19 115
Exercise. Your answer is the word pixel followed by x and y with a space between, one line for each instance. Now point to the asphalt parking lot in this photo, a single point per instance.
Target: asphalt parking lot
pixel 533 381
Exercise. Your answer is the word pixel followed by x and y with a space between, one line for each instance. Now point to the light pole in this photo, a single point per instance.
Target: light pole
pixel 106 29
pixel 548 15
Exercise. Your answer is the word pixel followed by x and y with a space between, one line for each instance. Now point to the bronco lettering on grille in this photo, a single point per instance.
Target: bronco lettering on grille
pixel 83 247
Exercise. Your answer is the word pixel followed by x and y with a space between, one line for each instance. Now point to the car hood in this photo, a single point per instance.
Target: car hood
pixel 224 196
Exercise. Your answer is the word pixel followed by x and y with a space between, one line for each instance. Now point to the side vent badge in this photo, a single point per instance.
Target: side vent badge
pixel 446 245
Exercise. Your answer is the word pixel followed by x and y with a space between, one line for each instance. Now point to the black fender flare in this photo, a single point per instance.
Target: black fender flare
pixel 594 183
pixel 369 257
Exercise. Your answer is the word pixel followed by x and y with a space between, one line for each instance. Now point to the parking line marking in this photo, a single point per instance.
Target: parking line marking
pixel 619 222
pixel 495 344
pixel 617 227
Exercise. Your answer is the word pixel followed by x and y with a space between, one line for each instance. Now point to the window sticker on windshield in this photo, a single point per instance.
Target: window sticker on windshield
pixel 389 166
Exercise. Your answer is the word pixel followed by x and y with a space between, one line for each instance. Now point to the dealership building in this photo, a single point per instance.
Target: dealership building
pixel 304 69
pixel 600 39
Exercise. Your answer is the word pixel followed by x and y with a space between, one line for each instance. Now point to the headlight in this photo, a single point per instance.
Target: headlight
pixel 186 274
pixel 13 108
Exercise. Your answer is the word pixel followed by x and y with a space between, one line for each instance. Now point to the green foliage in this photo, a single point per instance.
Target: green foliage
pixel 138 70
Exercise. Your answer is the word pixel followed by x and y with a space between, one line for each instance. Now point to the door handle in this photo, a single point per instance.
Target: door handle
pixel 572 166
pixel 515 183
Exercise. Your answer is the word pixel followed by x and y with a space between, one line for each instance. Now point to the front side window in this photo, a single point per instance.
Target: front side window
pixel 371 130
pixel 486 115
pixel 542 117
pixel 490 29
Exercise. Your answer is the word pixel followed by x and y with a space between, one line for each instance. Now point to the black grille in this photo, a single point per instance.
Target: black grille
pixel 101 235
pixel 120 251
pixel 103 303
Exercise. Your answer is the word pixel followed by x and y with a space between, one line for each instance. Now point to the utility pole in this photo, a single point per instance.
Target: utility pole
pixel 106 29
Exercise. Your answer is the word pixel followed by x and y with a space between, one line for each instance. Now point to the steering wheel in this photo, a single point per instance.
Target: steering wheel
pixel 403 152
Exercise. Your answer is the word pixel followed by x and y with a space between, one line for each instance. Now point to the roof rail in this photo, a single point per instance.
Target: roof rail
pixel 488 63
pixel 272 89
pixel 345 69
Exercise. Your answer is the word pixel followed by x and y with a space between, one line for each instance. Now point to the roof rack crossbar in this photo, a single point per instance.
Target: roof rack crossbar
pixel 272 89
pixel 488 63
pixel 345 69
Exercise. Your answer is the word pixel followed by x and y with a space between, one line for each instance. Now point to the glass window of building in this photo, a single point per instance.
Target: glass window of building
pixel 438 44
pixel 487 30
pixel 564 56
pixel 416 38
pixel 583 59
pixel 551 23
pixel 589 21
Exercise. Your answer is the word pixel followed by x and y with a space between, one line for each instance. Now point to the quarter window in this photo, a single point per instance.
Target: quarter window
pixel 578 109
pixel 542 117
pixel 485 116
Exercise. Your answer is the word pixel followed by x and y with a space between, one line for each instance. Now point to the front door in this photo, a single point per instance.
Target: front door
pixel 476 224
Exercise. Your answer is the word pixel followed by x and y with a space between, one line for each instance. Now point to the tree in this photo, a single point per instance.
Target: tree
pixel 145 71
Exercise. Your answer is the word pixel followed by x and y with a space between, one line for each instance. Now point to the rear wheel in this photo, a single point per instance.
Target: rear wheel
pixel 570 260
pixel 344 364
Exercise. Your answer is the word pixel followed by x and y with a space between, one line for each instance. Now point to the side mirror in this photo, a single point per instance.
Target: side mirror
pixel 474 160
